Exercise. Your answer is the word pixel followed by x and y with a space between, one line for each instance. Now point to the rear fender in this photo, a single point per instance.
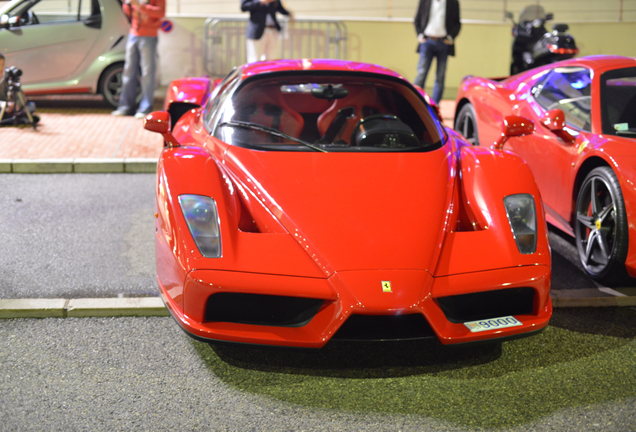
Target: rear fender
pixel 194 91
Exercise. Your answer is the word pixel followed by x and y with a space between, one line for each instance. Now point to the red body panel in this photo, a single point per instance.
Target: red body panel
pixel 337 226
pixel 188 90
pixel 558 166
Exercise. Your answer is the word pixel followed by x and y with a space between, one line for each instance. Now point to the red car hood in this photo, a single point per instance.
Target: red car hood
pixel 354 211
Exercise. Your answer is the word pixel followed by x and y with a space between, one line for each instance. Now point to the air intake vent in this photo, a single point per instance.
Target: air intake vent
pixel 488 304
pixel 384 327
pixel 259 309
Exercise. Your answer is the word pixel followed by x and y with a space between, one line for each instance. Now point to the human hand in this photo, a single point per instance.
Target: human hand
pixel 448 41
pixel 421 38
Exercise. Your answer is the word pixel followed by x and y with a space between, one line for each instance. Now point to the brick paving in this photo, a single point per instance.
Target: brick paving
pixel 78 127
pixel 82 127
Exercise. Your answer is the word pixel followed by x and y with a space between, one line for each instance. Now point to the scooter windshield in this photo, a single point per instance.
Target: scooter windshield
pixel 532 12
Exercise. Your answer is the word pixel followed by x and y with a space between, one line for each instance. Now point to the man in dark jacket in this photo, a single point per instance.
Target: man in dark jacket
pixel 262 41
pixel 437 25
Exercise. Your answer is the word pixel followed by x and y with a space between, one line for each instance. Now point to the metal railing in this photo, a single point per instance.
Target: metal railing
pixel 224 42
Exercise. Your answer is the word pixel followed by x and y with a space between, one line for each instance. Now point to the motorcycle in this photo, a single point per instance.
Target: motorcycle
pixel 533 45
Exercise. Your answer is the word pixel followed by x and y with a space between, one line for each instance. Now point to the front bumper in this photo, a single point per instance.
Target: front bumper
pixel 345 294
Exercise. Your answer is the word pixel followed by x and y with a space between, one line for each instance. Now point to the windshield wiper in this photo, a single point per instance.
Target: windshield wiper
pixel 272 131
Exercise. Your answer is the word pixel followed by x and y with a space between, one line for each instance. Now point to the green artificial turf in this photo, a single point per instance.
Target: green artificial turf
pixel 583 357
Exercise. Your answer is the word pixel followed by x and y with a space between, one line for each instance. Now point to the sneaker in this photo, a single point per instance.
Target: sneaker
pixel 119 113
pixel 141 115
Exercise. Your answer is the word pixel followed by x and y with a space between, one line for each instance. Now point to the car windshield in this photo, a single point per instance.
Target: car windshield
pixel 328 113
pixel 618 102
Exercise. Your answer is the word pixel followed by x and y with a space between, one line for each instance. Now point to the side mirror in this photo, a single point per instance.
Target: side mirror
pixel 4 21
pixel 509 15
pixel 549 16
pixel 159 122
pixel 554 120
pixel 513 126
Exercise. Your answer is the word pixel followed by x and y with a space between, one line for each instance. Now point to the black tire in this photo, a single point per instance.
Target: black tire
pixel 466 124
pixel 600 227
pixel 110 85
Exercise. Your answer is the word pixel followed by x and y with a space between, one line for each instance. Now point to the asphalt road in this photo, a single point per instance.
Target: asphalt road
pixel 91 235
pixel 77 235
pixel 106 374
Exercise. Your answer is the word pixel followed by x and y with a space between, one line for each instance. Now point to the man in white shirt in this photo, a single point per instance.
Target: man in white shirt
pixel 437 24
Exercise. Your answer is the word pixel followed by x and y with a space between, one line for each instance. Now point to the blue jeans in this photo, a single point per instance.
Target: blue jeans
pixel 429 49
pixel 139 49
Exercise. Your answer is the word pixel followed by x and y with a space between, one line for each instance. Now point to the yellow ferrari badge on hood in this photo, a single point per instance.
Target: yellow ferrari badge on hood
pixel 386 286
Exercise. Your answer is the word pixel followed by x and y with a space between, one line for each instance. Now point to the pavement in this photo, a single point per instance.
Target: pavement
pixel 77 134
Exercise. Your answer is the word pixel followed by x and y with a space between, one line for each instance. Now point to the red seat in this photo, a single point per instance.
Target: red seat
pixel 266 106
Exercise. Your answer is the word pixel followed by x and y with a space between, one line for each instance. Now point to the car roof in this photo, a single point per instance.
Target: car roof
pixel 601 62
pixel 258 68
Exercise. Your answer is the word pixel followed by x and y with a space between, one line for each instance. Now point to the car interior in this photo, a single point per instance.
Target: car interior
pixel 334 113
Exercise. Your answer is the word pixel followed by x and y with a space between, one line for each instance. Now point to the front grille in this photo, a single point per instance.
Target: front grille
pixel 260 309
pixel 384 327
pixel 488 304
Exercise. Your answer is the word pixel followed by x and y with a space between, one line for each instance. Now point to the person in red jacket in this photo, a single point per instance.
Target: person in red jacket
pixel 141 51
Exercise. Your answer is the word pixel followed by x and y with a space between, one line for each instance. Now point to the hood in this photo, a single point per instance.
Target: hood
pixel 354 211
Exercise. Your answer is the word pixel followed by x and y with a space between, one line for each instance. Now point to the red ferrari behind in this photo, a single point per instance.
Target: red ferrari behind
pixel 310 200
pixel 582 154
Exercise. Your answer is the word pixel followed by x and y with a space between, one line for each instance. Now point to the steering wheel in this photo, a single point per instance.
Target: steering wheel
pixel 371 117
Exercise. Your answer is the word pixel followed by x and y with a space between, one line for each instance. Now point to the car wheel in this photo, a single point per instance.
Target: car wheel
pixel 110 85
pixel 466 124
pixel 601 226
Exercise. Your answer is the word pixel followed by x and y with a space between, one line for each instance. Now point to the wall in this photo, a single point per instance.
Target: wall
pixel 482 49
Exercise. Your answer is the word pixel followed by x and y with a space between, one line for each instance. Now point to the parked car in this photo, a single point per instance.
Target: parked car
pixel 582 153
pixel 68 46
pixel 311 200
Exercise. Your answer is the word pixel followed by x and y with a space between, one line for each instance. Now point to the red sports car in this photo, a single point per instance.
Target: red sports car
pixel 582 153
pixel 310 200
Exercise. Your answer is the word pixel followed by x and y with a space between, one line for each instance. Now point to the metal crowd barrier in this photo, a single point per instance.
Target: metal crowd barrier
pixel 224 42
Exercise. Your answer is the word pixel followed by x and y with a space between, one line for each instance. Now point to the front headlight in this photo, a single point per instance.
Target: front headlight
pixel 522 216
pixel 202 218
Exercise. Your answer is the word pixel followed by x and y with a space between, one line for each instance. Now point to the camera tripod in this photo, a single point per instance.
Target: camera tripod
pixel 19 109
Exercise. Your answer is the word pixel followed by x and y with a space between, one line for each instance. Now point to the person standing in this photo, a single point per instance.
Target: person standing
pixel 262 34
pixel 141 51
pixel 4 85
pixel 437 25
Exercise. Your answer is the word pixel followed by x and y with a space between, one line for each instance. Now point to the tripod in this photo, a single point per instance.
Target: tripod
pixel 16 107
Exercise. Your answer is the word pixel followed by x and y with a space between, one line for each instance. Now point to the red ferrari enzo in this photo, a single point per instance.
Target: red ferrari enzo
pixel 581 154
pixel 310 200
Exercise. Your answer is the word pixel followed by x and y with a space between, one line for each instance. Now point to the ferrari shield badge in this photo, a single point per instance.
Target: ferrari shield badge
pixel 386 286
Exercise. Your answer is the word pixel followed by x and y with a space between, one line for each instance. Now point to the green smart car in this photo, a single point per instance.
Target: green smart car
pixel 66 46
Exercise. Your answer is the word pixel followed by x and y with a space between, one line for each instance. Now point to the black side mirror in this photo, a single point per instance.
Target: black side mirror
pixel 549 16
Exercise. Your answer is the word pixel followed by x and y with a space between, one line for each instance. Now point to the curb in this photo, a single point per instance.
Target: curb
pixel 85 308
pixel 78 165
pixel 154 306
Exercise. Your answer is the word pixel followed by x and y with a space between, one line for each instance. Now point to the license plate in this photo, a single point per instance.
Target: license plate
pixel 492 324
